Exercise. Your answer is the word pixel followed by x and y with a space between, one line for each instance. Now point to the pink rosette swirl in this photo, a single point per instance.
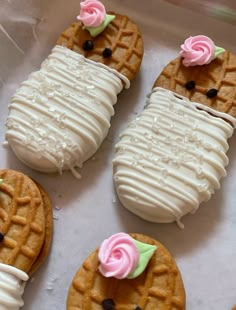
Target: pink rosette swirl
pixel 198 50
pixel 118 256
pixel 92 13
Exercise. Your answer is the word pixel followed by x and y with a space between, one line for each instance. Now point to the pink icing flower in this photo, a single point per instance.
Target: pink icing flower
pixel 92 13
pixel 118 256
pixel 198 50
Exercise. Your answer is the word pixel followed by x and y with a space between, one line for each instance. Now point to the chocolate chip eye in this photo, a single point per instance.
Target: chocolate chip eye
pixel 108 304
pixel 1 237
pixel 190 85
pixel 88 45
pixel 107 52
pixel 211 93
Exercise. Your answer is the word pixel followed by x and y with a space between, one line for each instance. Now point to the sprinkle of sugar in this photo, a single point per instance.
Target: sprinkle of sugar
pixel 32 279
pixel 50 284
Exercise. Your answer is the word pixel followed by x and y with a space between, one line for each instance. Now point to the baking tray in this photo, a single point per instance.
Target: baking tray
pixel 87 210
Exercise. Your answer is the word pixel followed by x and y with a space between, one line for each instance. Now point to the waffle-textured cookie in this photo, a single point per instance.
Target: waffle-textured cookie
pixel 220 75
pixel 25 234
pixel 122 36
pixel 160 286
pixel 59 117
pixel 22 220
pixel 172 157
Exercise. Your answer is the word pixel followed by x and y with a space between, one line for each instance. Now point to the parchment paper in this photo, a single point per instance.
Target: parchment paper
pixel 86 211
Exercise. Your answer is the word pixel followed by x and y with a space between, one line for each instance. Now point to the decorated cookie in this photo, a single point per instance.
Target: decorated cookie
pixel 25 236
pixel 203 73
pixel 59 117
pixel 172 157
pixel 128 272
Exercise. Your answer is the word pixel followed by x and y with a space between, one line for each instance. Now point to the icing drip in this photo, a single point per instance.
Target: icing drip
pixel 61 114
pixel 171 158
pixel 12 284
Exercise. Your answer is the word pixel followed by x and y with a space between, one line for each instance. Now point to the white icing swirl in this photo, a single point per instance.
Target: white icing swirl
pixel 12 284
pixel 171 158
pixel 61 114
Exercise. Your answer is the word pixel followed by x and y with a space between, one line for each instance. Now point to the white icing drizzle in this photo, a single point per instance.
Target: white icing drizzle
pixel 170 158
pixel 12 284
pixel 201 106
pixel 59 117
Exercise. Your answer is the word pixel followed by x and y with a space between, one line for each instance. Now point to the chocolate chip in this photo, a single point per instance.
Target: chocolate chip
pixel 212 93
pixel 190 85
pixel 138 308
pixel 88 45
pixel 108 304
pixel 1 237
pixel 107 52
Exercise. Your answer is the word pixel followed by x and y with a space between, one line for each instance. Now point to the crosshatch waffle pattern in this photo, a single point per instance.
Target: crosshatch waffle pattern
pixel 159 287
pixel 122 36
pixel 22 220
pixel 220 74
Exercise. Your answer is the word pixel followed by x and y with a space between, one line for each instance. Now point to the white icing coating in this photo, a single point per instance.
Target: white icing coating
pixel 170 158
pixel 12 284
pixel 201 106
pixel 59 117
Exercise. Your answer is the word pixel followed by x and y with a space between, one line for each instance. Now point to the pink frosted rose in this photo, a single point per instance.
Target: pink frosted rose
pixel 92 13
pixel 118 256
pixel 198 50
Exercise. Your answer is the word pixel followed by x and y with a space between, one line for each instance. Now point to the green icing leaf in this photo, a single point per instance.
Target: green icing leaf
pixel 146 251
pixel 1 181
pixel 95 31
pixel 218 51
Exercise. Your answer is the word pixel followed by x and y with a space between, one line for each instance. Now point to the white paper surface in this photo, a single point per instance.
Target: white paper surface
pixel 87 210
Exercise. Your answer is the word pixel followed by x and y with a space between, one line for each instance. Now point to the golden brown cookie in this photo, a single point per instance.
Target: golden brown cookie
pixel 122 37
pixel 48 230
pixel 219 75
pixel 159 286
pixel 172 157
pixel 25 221
pixel 59 118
